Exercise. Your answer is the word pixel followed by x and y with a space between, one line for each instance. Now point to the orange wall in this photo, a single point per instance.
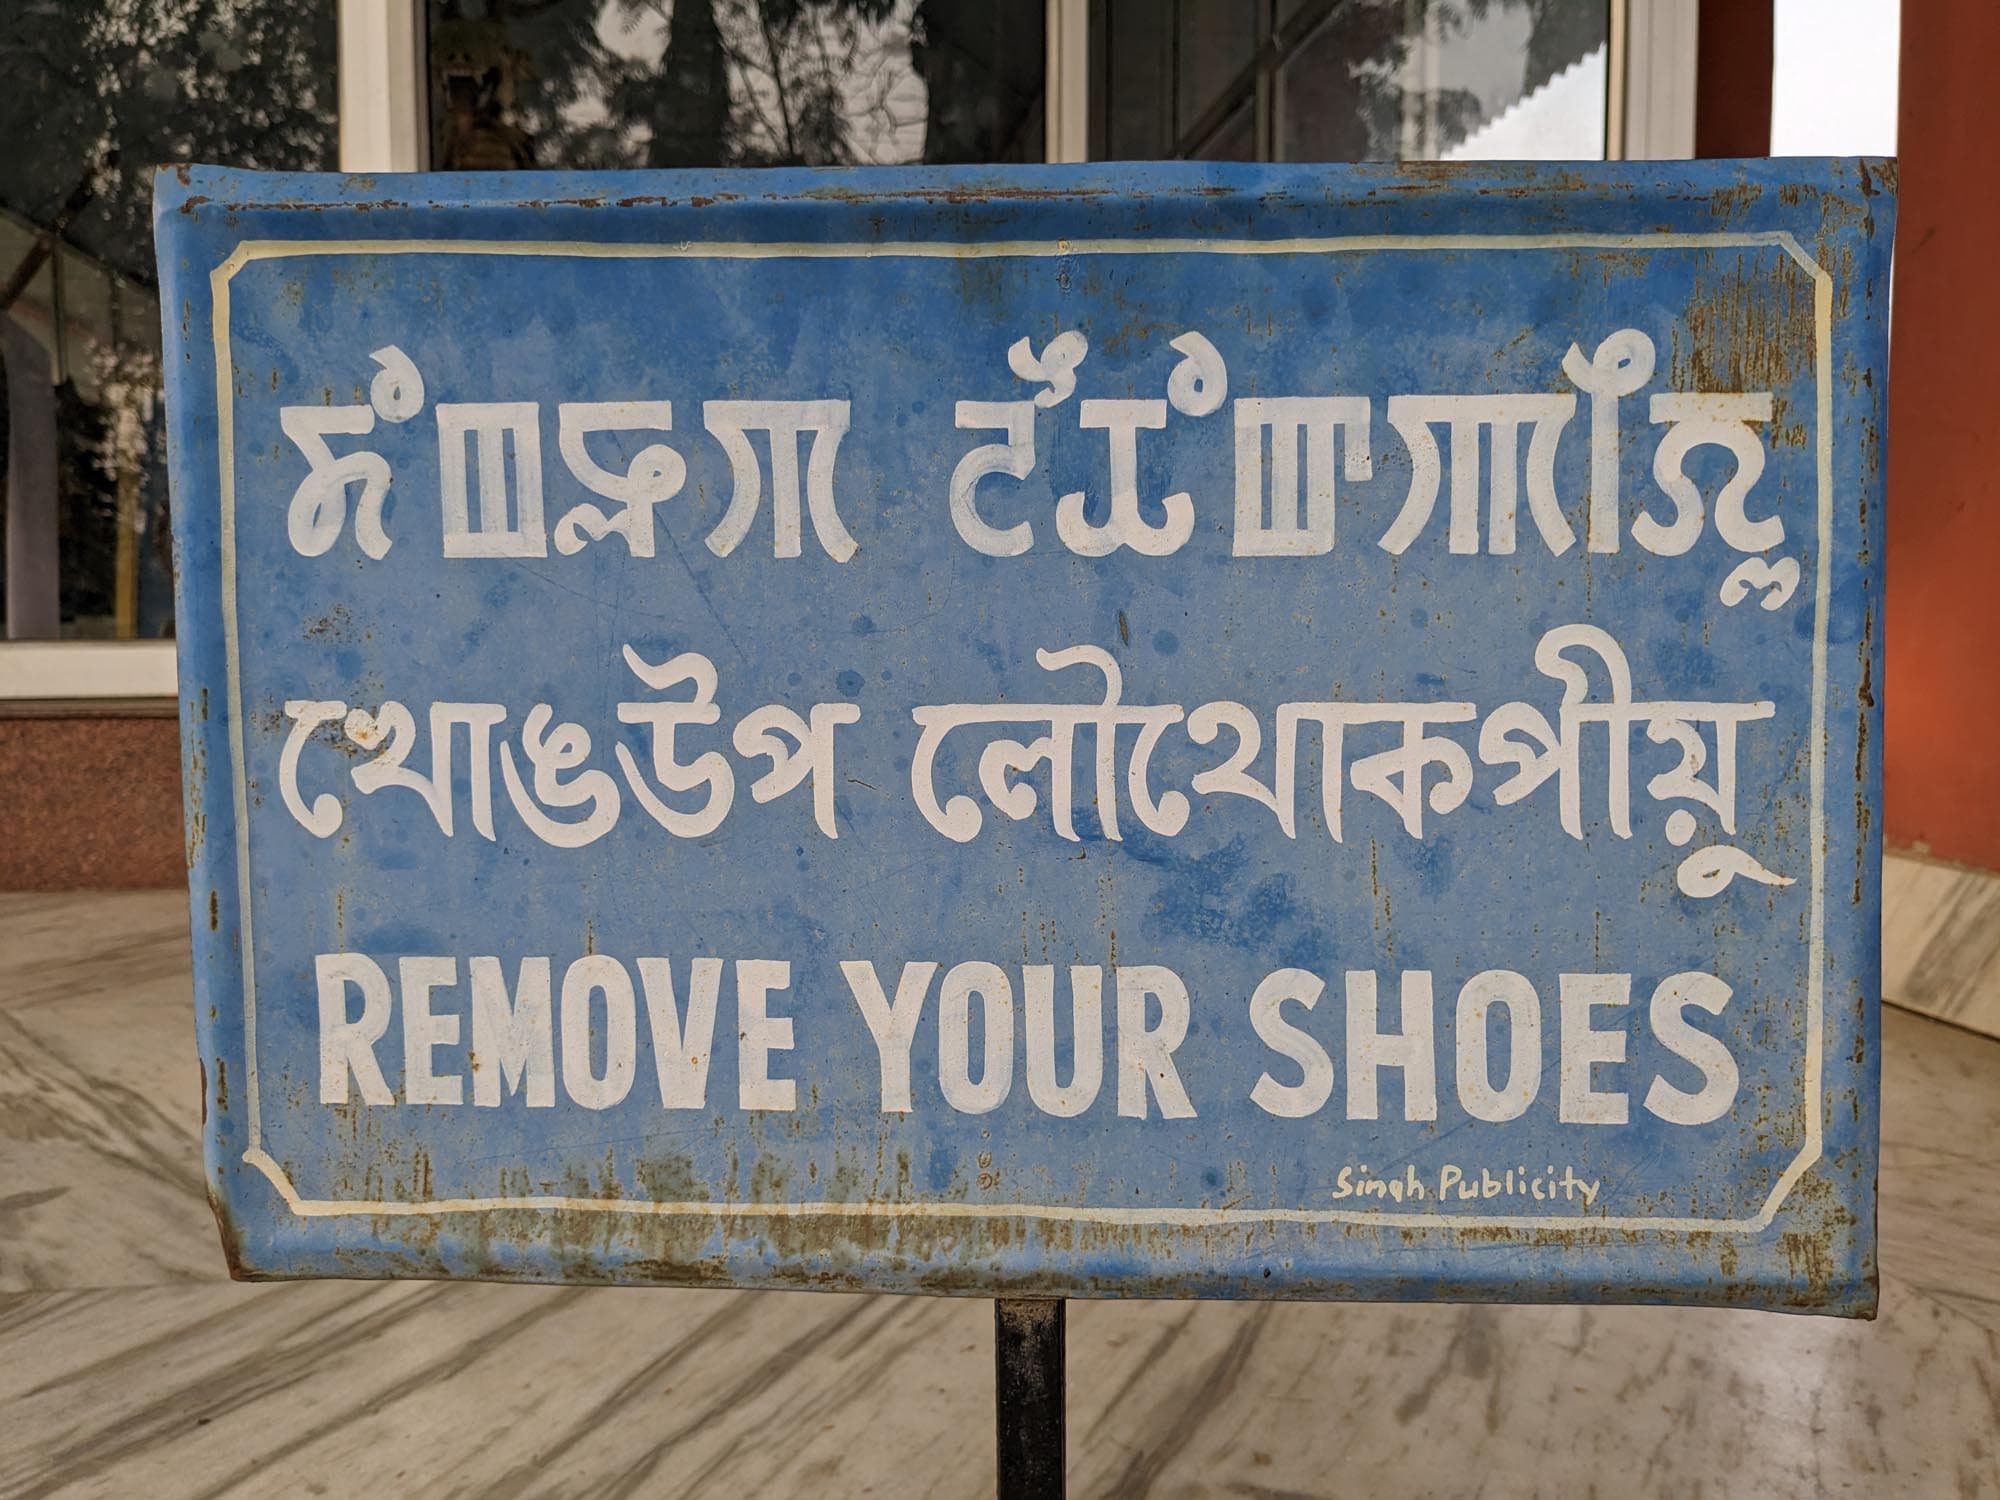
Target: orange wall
pixel 1942 697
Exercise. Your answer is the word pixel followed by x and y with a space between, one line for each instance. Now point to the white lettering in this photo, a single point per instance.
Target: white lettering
pixel 1516 996
pixel 1668 1014
pixel 1146 1054
pixel 996 1007
pixel 513 1046
pixel 893 1024
pixel 1086 1074
pixel 759 1034
pixel 423 1030
pixel 1290 1101
pixel 349 1046
pixel 1584 1048
pixel 681 1045
pixel 491 425
pixel 1369 1051
pixel 598 973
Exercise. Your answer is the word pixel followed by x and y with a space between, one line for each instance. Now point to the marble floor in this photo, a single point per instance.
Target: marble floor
pixel 1941 940
pixel 130 1367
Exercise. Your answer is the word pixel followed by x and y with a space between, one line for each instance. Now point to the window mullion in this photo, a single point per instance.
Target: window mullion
pixel 384 108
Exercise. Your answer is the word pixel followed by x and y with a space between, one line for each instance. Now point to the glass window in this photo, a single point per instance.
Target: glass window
pixel 1353 80
pixel 592 84
pixel 1833 77
pixel 98 93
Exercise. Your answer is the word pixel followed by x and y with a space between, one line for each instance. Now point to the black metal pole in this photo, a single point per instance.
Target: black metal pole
pixel 1028 1384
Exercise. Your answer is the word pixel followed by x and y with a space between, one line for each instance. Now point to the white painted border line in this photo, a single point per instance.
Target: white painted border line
pixel 225 447
pixel 255 250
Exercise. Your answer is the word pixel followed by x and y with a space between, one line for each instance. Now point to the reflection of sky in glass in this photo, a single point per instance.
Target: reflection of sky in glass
pixel 1561 121
pixel 1485 57
pixel 1387 80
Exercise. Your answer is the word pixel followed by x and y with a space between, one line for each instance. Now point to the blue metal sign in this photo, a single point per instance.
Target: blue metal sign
pixel 1132 731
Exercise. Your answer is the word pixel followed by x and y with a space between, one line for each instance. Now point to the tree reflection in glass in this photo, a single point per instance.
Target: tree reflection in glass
pixel 707 83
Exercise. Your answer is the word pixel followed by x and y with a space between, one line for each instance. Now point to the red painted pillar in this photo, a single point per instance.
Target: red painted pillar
pixel 1942 696
pixel 1732 79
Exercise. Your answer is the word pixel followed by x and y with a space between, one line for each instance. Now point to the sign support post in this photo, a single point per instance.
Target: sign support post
pixel 1028 1397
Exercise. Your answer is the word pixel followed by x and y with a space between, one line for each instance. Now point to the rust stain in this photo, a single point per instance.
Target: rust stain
pixel 231 1236
pixel 1865 698
pixel 1746 330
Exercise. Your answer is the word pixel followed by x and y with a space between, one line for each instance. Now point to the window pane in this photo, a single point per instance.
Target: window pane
pixel 1337 96
pixel 1354 80
pixel 1218 38
pixel 1412 80
pixel 98 92
pixel 1833 79
pixel 593 84
pixel 1526 81
pixel 1137 101
pixel 1167 65
pixel 1235 139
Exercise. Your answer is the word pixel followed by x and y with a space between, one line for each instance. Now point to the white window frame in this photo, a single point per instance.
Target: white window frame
pixel 1650 113
pixel 59 671
pixel 384 94
pixel 385 127
pixel 1066 88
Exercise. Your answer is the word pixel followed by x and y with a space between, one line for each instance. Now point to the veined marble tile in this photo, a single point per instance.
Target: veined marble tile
pixel 57 947
pixel 128 1368
pixel 100 1095
pixel 388 1389
pixel 1941 941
